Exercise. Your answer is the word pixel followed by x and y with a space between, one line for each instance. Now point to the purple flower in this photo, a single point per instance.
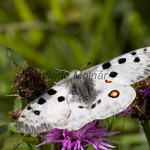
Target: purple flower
pixel 93 133
pixel 146 92
pixel 125 112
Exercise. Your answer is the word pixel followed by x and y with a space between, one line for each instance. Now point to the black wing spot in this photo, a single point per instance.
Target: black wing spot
pixel 61 98
pixel 137 59
pixel 145 50
pixel 80 106
pixel 51 92
pixel 36 112
pixel 41 101
pixel 93 105
pixel 113 74
pixel 106 65
pixel 121 60
pixel 133 53
pixel 29 107
pixel 23 116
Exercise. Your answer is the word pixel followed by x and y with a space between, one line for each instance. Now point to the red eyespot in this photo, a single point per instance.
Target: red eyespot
pixel 114 94
pixel 107 81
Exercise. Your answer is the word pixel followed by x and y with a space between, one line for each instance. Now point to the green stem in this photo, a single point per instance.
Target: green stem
pixel 121 133
pixel 19 142
pixel 29 145
pixel 146 128
pixel 40 141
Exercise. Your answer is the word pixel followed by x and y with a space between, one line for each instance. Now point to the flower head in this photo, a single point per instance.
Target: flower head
pixel 146 92
pixel 30 83
pixel 141 105
pixel 93 133
pixel 125 112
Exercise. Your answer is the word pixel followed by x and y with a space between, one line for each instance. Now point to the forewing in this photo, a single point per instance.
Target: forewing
pixel 49 111
pixel 125 69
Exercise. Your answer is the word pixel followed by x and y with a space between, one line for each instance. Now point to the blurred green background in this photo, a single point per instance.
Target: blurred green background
pixel 67 34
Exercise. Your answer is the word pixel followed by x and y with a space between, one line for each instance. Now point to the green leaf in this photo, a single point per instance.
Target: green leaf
pixel 90 147
pixel 17 104
pixel 146 128
pixel 14 129
pixel 109 122
pixel 11 124
pixel 6 126
pixel 20 146
pixel 17 59
pixel 3 129
pixel 34 135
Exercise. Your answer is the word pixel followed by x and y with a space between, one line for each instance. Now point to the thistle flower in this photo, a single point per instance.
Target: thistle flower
pixel 93 133
pixel 146 91
pixel 125 112
pixel 15 114
pixel 30 83
pixel 141 104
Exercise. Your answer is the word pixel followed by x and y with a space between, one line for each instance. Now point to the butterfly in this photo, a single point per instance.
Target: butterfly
pixel 96 93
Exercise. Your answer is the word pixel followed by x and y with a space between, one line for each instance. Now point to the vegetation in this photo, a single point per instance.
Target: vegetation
pixel 66 34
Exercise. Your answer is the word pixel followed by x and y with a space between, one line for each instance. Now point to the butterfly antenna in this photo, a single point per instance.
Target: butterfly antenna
pixel 61 70
pixel 85 65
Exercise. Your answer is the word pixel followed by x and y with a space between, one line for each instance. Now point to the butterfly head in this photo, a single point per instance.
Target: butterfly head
pixel 74 74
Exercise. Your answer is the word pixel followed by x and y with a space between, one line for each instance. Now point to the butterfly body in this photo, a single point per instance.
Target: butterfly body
pixel 97 93
pixel 82 87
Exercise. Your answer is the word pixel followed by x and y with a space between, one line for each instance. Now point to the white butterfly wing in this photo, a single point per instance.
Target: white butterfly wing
pixel 80 113
pixel 59 108
pixel 111 99
pixel 49 111
pixel 125 69
pixel 52 111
